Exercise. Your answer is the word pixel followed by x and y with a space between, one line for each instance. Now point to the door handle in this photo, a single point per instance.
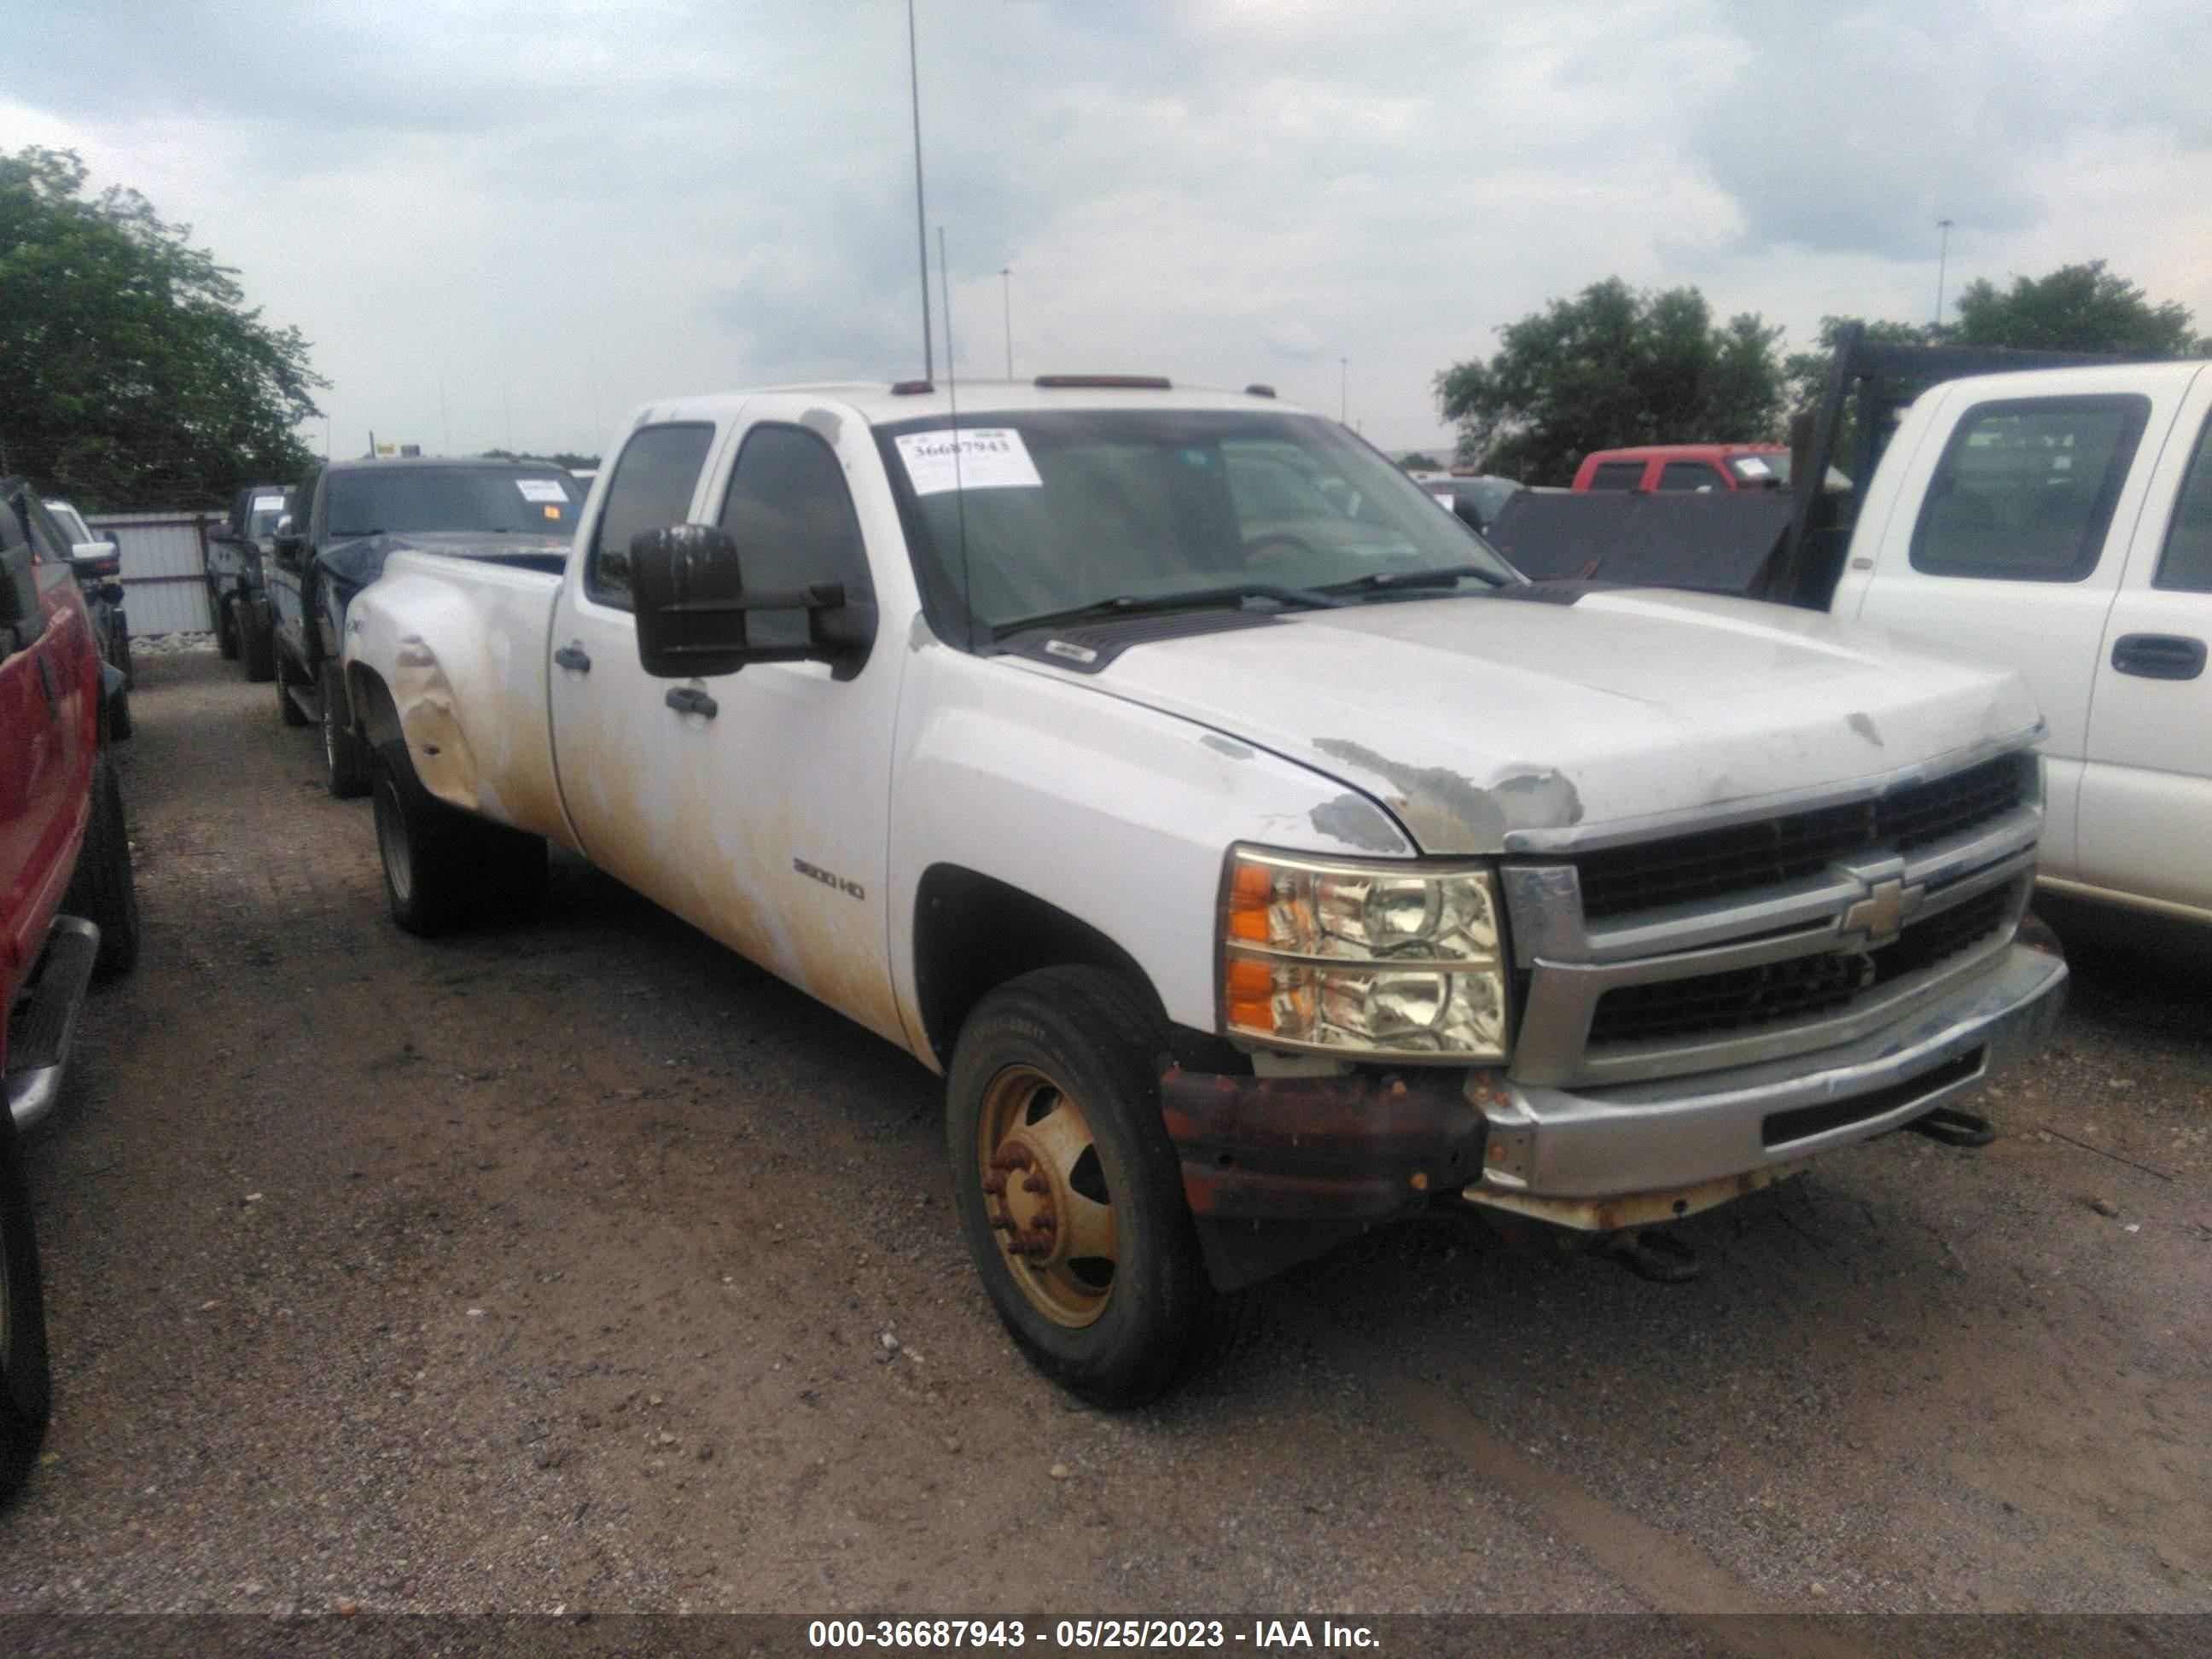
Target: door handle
pixel 2159 656
pixel 688 700
pixel 574 656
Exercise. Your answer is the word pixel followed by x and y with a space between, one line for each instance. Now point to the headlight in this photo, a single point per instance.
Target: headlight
pixel 1378 961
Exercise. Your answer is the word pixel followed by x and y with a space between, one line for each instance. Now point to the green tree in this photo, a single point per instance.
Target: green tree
pixel 136 376
pixel 2076 308
pixel 1806 373
pixel 1419 461
pixel 1609 367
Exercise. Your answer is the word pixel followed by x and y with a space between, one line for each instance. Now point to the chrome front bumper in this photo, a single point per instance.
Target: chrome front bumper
pixel 1755 1121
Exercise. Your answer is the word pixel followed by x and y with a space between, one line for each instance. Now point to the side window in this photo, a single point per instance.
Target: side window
pixel 2025 488
pixel 2187 560
pixel 650 489
pixel 1690 475
pixel 1616 475
pixel 792 517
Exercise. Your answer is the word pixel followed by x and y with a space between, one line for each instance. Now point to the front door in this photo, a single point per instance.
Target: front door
pixel 754 805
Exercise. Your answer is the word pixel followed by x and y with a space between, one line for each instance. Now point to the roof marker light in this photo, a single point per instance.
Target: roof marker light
pixel 1104 382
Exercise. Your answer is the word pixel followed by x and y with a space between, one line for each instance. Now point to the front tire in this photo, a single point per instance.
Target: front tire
pixel 226 629
pixel 102 890
pixel 442 866
pixel 345 759
pixel 26 1381
pixel 255 645
pixel 1071 1192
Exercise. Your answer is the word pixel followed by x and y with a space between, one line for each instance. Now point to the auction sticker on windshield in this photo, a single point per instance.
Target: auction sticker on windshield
pixel 541 490
pixel 980 457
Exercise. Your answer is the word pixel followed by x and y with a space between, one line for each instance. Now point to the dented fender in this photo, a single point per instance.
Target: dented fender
pixel 449 655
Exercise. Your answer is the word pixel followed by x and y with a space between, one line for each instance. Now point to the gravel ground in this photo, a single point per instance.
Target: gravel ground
pixel 577 1264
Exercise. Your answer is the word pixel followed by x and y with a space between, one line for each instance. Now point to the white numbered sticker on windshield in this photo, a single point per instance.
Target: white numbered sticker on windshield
pixel 267 504
pixel 1443 498
pixel 978 457
pixel 541 490
pixel 1752 467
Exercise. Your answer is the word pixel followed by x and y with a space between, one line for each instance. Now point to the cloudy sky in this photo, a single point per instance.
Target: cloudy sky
pixel 504 224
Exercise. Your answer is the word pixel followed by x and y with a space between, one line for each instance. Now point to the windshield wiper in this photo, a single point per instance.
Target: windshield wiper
pixel 1130 604
pixel 1378 582
pixel 353 535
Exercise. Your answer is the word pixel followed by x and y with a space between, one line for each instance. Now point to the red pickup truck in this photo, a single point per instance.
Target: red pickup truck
pixel 68 910
pixel 1667 467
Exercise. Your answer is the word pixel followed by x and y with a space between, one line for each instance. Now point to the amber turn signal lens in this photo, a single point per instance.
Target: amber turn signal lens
pixel 1251 994
pixel 1252 890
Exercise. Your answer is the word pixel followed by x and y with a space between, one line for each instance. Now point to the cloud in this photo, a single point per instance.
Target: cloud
pixel 553 212
pixel 1855 128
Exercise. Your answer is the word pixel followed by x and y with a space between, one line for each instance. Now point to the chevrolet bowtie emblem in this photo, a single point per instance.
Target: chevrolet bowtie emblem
pixel 1882 914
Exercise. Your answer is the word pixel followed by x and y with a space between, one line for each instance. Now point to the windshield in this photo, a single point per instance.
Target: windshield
pixel 71 522
pixel 409 500
pixel 1065 508
pixel 1772 472
pixel 264 507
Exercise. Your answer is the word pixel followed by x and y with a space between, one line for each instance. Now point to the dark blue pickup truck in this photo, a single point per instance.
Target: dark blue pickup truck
pixel 346 518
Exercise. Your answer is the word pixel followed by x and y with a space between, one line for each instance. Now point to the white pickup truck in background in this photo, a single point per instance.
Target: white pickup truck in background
pixel 2060 520
pixel 1253 879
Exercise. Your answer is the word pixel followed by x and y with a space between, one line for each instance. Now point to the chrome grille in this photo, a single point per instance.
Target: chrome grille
pixel 1753 941
pixel 1794 987
pixel 1711 863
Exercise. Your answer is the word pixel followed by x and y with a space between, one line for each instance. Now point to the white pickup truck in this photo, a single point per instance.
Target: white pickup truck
pixel 1255 853
pixel 2060 520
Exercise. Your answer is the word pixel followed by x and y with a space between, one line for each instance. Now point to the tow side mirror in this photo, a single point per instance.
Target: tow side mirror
pixel 289 543
pixel 691 603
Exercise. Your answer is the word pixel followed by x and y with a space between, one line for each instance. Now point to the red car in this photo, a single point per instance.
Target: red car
pixel 68 910
pixel 1672 467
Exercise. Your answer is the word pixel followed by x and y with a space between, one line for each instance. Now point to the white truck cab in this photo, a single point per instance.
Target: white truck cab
pixel 1255 853
pixel 2060 520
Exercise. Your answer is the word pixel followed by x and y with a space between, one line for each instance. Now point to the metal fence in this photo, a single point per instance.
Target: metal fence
pixel 164 568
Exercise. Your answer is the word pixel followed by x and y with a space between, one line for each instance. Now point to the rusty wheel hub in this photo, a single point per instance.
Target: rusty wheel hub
pixel 1044 1191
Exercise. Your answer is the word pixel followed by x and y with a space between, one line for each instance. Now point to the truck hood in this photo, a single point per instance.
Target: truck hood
pixel 1473 717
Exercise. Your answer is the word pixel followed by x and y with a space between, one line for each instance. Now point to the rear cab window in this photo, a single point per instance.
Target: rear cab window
pixel 652 489
pixel 2026 487
pixel 1618 475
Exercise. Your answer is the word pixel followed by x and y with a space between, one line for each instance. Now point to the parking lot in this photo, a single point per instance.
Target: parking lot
pixel 577 1264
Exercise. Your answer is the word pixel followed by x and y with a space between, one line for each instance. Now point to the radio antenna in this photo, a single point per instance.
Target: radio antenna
pixel 921 216
pixel 952 397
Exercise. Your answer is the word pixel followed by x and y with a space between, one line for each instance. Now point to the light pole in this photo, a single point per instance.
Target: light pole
pixel 1343 388
pixel 1007 289
pixel 1943 258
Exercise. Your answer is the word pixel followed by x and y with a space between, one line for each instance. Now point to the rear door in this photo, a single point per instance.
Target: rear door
pixel 2146 814
pixel 2021 511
